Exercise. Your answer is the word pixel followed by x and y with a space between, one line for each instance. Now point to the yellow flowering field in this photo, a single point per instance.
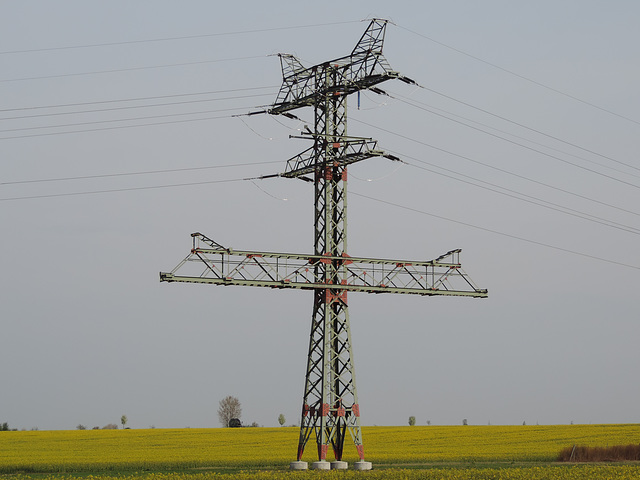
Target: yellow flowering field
pixel 273 448
pixel 577 472
pixel 488 443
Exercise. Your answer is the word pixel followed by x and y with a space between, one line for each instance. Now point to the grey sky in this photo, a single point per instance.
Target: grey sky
pixel 88 333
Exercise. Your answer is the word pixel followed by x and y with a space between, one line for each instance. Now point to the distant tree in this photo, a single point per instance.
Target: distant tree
pixel 81 427
pixel 464 421
pixel 254 424
pixel 412 420
pixel 235 423
pixel 123 420
pixel 428 422
pixel 110 426
pixel 4 427
pixel 229 408
pixel 281 419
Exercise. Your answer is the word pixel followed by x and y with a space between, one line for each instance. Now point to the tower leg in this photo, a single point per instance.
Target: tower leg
pixel 330 403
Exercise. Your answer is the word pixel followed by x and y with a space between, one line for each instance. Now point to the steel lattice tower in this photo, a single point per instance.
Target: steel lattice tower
pixel 330 407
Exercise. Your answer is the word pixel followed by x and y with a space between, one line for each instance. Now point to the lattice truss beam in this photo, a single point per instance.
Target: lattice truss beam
pixel 365 67
pixel 212 263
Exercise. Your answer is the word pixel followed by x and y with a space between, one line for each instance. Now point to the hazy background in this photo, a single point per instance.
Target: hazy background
pixel 117 90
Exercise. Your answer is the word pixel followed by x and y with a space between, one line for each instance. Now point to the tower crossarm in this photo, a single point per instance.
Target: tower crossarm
pixel 211 263
pixel 365 67
pixel 347 150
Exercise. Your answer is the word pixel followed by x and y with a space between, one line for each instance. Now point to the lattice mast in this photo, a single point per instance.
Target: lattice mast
pixel 330 403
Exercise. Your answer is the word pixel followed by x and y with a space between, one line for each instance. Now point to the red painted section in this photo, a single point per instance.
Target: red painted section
pixel 360 449
pixel 300 451
pixel 356 409
pixel 322 452
pixel 330 297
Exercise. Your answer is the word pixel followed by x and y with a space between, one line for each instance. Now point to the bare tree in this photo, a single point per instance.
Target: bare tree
pixel 229 408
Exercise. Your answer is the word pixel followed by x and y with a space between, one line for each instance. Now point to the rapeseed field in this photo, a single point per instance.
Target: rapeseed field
pixel 202 454
pixel 579 472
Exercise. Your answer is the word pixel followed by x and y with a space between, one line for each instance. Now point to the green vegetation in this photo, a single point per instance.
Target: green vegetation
pixel 430 452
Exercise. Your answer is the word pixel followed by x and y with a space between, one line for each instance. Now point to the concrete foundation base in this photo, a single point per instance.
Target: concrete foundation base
pixel 299 465
pixel 321 465
pixel 339 465
pixel 362 465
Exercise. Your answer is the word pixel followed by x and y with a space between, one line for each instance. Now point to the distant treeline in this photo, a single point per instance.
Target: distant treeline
pixel 4 427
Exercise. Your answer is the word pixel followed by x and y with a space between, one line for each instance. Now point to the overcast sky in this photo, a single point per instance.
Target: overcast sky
pixel 117 141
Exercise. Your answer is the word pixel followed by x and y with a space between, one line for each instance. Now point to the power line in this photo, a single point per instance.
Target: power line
pixel 519 196
pixel 560 208
pixel 522 177
pixel 118 127
pixel 413 102
pixel 505 171
pixel 507 140
pixel 111 109
pixel 166 39
pixel 496 232
pixel 128 174
pixel 532 200
pixel 134 99
pixel 96 122
pixel 528 147
pixel 415 210
pixel 98 72
pixel 510 72
pixel 501 169
pixel 128 189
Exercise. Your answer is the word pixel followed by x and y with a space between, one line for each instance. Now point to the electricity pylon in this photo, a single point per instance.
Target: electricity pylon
pixel 330 407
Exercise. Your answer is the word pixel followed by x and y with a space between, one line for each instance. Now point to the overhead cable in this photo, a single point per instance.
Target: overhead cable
pixel 510 72
pixel 129 174
pixel 166 39
pixel 407 101
pixel 134 99
pixel 99 72
pixel 496 232
pixel 510 141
